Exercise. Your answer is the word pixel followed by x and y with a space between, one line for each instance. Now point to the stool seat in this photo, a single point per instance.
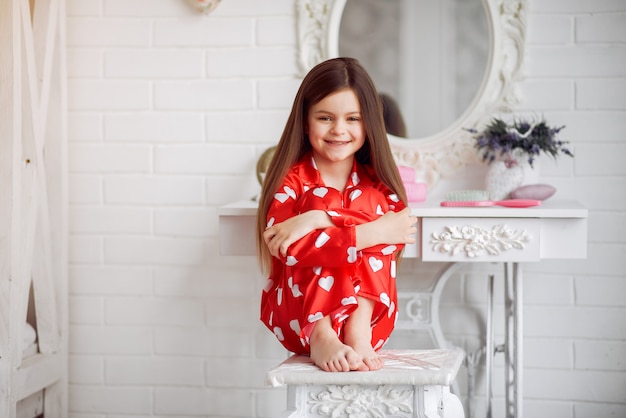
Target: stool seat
pixel 412 383
pixel 402 367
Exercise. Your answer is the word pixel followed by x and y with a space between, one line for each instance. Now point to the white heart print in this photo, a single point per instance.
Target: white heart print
pixel 279 296
pixel 315 317
pixel 332 213
pixel 355 178
pixel 393 269
pixel 379 210
pixel 354 194
pixel 271 222
pixel 389 249
pixel 317 270
pixel 385 299
pixel 281 197
pixel 392 308
pixel 326 283
pixel 375 263
pixel 320 191
pixel 290 192
pixel 291 260
pixel 295 326
pixel 279 334
pixel 394 198
pixel 295 289
pixel 351 300
pixel 268 285
pixel 321 239
pixel 351 254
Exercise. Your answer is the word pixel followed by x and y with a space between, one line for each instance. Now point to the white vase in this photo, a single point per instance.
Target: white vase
pixel 506 175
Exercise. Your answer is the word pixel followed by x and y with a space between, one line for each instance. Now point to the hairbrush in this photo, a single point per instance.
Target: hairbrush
pixel 479 198
pixel 467 195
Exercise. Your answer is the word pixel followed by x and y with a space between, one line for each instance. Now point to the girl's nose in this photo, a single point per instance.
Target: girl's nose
pixel 338 128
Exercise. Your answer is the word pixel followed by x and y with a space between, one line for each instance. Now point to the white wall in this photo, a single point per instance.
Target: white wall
pixel 169 111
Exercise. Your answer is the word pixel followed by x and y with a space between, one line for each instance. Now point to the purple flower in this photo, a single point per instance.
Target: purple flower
pixel 499 139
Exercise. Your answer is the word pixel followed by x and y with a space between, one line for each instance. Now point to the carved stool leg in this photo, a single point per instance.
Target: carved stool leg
pixel 368 401
pixel 413 383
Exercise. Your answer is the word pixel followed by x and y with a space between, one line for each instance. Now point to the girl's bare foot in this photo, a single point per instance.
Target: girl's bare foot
pixel 371 359
pixel 329 353
pixel 358 334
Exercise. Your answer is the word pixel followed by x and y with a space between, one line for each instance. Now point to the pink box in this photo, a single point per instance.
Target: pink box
pixel 415 192
pixel 407 174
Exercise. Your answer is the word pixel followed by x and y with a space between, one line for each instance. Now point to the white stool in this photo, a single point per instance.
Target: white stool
pixel 413 383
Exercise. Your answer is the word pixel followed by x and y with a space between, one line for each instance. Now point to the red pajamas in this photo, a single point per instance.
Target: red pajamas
pixel 323 272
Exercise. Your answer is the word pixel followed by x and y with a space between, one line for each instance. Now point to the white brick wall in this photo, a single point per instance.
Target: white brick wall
pixel 169 110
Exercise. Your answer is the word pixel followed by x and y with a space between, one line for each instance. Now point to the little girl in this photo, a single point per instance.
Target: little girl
pixel 331 222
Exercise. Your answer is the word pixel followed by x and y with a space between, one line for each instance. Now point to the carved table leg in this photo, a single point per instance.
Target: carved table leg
pixel 490 346
pixel 513 343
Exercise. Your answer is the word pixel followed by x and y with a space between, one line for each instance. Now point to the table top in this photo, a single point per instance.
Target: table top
pixel 548 209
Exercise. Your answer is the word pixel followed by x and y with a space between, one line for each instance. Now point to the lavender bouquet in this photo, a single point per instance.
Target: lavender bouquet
pixel 500 140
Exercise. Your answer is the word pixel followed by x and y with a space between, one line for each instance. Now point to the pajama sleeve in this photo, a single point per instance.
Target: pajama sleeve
pixel 342 217
pixel 331 247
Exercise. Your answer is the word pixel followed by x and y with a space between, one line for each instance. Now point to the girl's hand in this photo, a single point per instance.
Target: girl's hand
pixel 391 228
pixel 400 227
pixel 280 236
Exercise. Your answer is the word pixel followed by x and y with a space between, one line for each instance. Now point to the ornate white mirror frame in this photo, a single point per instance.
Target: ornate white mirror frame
pixel 440 155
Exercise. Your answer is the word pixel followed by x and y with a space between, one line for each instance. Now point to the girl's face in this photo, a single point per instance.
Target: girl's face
pixel 335 128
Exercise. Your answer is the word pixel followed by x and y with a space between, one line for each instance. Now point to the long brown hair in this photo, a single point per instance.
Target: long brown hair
pixel 323 79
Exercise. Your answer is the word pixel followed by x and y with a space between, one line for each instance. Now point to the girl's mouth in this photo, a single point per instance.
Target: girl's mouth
pixel 336 142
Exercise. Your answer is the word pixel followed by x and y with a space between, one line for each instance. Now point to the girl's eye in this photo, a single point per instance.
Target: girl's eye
pixel 324 118
pixel 354 119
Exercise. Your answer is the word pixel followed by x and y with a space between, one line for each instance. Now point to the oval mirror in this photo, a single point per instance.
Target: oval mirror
pixel 427 57
pixel 409 58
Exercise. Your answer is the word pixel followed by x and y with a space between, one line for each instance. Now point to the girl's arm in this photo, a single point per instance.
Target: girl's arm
pixel 278 237
pixel 391 228
pixel 316 235
pixel 304 239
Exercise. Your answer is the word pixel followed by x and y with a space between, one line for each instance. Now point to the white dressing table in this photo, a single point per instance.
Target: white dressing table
pixel 554 230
